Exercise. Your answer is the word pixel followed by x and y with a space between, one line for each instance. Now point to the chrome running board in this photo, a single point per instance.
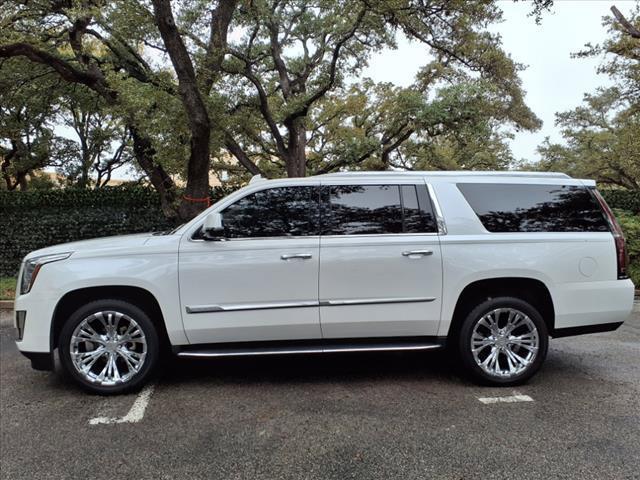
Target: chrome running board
pixel 289 350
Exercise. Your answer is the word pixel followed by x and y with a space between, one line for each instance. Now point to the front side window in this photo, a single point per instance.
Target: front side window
pixel 534 208
pixel 276 212
pixel 376 209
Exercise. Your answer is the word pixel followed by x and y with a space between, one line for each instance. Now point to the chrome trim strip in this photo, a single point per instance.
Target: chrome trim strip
pixel 373 301
pixel 248 306
pixel 322 303
pixel 442 227
pixel 382 348
pixel 243 353
pixel 320 349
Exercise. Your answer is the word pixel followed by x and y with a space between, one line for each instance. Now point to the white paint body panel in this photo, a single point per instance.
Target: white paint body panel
pixel 250 273
pixel 181 273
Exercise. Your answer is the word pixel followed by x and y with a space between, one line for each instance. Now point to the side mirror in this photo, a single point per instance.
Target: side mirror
pixel 212 228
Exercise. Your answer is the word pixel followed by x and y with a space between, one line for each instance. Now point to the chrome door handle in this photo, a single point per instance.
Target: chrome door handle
pixel 423 253
pixel 289 256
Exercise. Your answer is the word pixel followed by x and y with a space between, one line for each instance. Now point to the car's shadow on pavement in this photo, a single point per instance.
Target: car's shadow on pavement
pixel 314 368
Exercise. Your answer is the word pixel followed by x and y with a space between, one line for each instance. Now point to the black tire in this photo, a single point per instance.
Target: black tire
pixel 467 359
pixel 139 378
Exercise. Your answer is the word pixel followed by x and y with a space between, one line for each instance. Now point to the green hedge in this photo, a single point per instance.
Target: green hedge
pixel 623 199
pixel 33 220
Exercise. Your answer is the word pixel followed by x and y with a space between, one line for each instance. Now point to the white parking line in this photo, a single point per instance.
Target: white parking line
pixel 136 412
pixel 516 397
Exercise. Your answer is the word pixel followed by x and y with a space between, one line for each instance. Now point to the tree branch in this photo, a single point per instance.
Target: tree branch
pixel 217 45
pixel 237 151
pixel 62 67
pixel 626 24
pixel 306 104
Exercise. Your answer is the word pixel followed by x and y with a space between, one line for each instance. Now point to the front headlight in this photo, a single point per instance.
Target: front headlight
pixel 32 267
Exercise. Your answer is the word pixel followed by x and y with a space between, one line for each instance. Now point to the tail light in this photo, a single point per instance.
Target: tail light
pixel 618 236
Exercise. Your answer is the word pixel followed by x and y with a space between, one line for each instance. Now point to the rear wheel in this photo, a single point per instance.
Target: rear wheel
pixel 109 346
pixel 503 342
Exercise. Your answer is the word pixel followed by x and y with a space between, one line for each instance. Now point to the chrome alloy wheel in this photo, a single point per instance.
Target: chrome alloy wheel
pixel 108 348
pixel 504 342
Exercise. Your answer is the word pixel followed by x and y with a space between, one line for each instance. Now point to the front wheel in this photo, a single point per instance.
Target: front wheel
pixel 109 346
pixel 503 342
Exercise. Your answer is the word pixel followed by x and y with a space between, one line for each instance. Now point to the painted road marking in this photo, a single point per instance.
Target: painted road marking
pixel 136 412
pixel 510 399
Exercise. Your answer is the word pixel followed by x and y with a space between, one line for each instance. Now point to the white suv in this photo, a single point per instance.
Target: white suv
pixel 489 264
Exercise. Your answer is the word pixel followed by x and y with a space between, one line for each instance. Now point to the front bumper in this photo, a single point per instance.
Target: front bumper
pixel 35 329
pixel 40 360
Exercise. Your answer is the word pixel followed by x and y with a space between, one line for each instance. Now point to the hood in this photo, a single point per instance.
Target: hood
pixel 105 245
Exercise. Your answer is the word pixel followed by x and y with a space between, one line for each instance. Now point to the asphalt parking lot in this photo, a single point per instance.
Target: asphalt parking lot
pixel 386 415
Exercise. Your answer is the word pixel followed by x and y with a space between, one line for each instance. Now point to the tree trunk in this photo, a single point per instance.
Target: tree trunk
pixel 22 181
pixel 296 160
pixel 196 194
pixel 161 181
pixel 197 191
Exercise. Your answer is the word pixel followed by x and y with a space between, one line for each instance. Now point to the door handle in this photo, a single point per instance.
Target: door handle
pixel 289 256
pixel 423 253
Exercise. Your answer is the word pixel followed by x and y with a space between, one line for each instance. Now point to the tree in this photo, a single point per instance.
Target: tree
pixel 294 57
pixel 392 127
pixel 103 142
pixel 28 106
pixel 601 136
pixel 58 35
pixel 255 94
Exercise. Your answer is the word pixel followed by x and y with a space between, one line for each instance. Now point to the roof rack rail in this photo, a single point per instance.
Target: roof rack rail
pixel 451 173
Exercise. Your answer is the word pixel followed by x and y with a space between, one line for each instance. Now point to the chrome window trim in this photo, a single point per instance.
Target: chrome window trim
pixel 304 304
pixel 299 237
pixel 244 239
pixel 442 227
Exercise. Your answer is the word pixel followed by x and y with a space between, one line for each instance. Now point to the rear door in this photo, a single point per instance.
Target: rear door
pixel 380 262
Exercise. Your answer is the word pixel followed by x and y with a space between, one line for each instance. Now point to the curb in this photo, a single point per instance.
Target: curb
pixel 6 320
pixel 6 304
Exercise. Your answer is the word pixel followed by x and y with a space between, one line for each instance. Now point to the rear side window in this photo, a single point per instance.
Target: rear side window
pixel 276 212
pixel 534 208
pixel 376 209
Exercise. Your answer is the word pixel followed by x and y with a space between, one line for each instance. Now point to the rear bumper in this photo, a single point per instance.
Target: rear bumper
pixel 596 305
pixel 598 328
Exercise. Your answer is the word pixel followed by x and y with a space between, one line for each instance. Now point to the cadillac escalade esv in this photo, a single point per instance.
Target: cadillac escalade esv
pixel 489 264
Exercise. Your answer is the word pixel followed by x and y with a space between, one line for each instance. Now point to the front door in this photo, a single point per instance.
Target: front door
pixel 262 282
pixel 380 262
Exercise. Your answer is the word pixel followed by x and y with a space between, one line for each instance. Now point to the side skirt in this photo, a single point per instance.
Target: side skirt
pixel 310 346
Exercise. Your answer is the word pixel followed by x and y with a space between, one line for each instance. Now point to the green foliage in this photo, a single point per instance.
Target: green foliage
pixel 601 136
pixel 622 199
pixel 630 223
pixel 626 206
pixel 37 219
pixel 7 288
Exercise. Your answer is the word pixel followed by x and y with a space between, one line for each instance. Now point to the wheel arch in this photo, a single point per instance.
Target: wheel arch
pixel 138 296
pixel 531 290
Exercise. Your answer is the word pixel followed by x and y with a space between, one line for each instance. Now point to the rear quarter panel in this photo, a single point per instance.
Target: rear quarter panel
pixel 579 269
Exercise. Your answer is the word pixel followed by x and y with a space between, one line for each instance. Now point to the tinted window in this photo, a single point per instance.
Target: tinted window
pixel 417 213
pixel 534 208
pixel 277 212
pixel 375 209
